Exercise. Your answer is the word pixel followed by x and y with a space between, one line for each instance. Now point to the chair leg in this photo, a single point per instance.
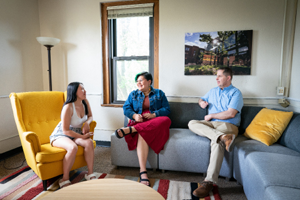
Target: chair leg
pixel 45 185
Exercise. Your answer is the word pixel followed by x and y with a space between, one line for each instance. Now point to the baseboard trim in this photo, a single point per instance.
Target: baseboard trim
pixel 10 153
pixel 103 143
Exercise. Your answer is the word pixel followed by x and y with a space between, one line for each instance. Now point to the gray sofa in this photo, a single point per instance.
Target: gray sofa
pixel 266 172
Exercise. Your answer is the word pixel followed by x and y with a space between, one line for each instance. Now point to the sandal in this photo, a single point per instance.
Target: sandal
pixel 90 177
pixel 144 172
pixel 116 132
pixel 64 183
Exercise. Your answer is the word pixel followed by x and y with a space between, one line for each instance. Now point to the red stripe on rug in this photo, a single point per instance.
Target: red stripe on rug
pixel 36 190
pixel 79 177
pixel 102 176
pixel 19 186
pixel 216 193
pixel 13 173
pixel 163 188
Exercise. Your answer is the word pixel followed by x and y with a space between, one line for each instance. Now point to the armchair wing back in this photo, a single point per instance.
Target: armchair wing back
pixel 36 115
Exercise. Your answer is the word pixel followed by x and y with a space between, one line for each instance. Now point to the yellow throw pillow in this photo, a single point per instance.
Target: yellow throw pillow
pixel 268 125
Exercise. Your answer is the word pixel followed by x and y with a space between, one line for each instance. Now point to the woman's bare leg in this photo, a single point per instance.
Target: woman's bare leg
pixel 68 161
pixel 142 153
pixel 88 146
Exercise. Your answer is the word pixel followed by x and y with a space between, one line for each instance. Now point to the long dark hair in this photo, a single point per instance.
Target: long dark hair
pixel 72 97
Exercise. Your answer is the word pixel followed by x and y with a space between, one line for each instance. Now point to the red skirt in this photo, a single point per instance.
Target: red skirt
pixel 154 131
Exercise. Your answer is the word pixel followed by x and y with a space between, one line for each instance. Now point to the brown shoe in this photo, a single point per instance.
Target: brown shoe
pixel 204 189
pixel 227 140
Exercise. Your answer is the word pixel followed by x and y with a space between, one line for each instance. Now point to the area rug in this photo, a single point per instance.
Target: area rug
pixel 25 184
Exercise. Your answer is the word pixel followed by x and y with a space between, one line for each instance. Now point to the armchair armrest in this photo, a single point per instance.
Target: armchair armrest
pixel 34 141
pixel 31 146
pixel 92 127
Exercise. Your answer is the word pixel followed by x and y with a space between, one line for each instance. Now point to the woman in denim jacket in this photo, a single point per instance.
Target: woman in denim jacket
pixel 147 108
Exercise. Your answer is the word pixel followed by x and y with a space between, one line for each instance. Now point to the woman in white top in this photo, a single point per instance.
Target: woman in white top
pixel 68 134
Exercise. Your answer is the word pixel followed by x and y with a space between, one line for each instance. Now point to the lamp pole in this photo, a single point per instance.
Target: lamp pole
pixel 48 42
pixel 49 65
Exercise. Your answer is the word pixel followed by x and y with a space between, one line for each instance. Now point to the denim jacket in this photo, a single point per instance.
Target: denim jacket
pixel 158 103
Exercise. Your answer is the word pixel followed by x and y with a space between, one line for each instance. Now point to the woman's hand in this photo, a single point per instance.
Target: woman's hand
pixel 149 115
pixel 85 128
pixel 138 117
pixel 87 135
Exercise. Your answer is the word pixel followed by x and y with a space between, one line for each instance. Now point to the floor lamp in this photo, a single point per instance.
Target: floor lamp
pixel 48 42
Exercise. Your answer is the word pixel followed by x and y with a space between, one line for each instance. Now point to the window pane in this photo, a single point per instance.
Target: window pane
pixel 133 36
pixel 126 72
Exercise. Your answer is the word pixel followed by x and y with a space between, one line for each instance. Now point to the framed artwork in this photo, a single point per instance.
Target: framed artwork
pixel 206 52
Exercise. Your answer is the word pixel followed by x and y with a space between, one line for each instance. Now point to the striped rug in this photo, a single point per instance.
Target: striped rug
pixel 25 184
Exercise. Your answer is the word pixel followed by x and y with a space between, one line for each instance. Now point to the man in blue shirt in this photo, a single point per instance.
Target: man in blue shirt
pixel 224 103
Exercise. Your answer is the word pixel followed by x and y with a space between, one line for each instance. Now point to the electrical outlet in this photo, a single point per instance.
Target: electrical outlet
pixel 280 91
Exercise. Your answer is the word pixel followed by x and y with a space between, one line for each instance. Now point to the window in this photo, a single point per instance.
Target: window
pixel 130 45
pixel 131 53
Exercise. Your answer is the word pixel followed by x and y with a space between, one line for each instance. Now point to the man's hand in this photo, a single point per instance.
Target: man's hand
pixel 149 115
pixel 208 117
pixel 138 117
pixel 203 104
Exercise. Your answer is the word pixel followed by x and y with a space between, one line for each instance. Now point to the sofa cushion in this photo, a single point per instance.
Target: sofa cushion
pixel 268 125
pixel 244 147
pixel 291 136
pixel 274 169
pixel 185 151
pixel 182 113
pixel 51 154
pixel 280 193
pixel 121 156
pixel 264 169
pixel 248 113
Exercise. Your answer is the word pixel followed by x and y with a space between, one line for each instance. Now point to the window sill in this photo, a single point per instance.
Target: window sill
pixel 112 105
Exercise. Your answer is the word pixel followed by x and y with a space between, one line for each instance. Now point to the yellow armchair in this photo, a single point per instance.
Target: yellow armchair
pixel 36 115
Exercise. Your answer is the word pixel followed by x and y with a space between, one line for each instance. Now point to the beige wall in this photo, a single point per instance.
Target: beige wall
pixel 20 61
pixel 78 57
pixel 263 17
pixel 295 82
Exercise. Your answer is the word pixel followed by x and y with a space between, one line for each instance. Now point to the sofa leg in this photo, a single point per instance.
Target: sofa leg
pixel 154 169
pixel 163 171
pixel 227 179
pixel 45 185
pixel 204 174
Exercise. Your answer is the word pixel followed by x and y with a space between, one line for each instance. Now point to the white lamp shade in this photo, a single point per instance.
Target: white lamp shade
pixel 48 40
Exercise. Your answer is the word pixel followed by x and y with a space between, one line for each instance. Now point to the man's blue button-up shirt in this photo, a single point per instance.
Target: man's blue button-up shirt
pixel 220 100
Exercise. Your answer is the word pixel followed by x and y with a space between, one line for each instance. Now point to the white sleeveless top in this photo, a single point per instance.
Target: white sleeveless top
pixel 76 121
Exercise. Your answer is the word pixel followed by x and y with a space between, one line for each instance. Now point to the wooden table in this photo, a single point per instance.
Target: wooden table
pixel 107 188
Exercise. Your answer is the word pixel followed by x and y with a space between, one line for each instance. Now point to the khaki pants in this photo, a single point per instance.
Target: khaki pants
pixel 213 130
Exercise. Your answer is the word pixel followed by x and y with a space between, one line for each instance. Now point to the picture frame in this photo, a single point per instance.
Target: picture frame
pixel 206 52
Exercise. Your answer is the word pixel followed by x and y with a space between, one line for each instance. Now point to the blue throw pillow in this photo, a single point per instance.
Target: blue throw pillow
pixel 291 136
